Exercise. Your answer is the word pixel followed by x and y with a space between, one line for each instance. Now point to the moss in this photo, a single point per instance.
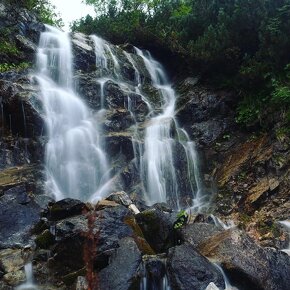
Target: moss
pixel 44 240
pixel 12 66
pixel 152 95
pixel 244 219
pixel 266 227
pixel 282 134
pixel 138 236
pixel 40 227
pixel 131 222
pixel 143 246
pixel 70 278
pixel 8 48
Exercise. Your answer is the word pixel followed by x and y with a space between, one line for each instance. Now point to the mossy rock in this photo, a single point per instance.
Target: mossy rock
pixel 131 221
pixel 141 242
pixel 71 278
pixel 65 208
pixel 157 229
pixel 45 240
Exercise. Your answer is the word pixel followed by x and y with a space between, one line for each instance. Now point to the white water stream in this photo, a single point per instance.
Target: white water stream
pixel 76 164
pixel 286 225
pixel 75 158
pixel 29 284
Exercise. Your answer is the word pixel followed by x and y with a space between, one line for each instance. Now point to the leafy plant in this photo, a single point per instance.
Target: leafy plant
pixel 8 48
pixel 12 66
pixel 182 218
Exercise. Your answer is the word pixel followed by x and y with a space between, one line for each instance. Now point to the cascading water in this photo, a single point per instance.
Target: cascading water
pixel 29 284
pixel 154 156
pixel 158 169
pixel 286 225
pixel 76 165
pixel 228 285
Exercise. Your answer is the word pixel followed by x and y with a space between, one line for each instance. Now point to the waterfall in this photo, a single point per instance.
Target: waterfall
pixel 76 161
pixel 154 274
pixel 28 285
pixel 286 225
pixel 76 164
pixel 158 168
pixel 228 285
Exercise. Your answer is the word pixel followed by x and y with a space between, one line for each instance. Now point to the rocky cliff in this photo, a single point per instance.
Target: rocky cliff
pixel 74 245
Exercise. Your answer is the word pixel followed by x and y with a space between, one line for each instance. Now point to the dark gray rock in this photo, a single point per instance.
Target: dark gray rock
pixel 197 233
pixel 119 146
pixel 70 237
pixel 157 228
pixel 84 54
pixel 189 270
pixel 25 44
pixel 18 214
pixel 153 269
pixel 65 208
pixel 90 237
pixel 120 197
pixel 121 273
pixel 89 89
pixel 111 226
pixel 118 120
pixel 20 114
pixel 206 116
pixel 246 262
pixel 21 28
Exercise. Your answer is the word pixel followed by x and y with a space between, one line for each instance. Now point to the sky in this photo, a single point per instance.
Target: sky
pixel 70 10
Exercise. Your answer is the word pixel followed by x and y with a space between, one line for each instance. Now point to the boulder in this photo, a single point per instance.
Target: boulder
pixel 189 270
pixel 65 208
pixel 111 226
pixel 11 260
pixel 92 238
pixel 70 238
pixel 197 233
pixel 157 228
pixel 121 272
pixel 246 262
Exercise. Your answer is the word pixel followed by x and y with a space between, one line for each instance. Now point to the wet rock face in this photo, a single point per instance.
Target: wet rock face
pixel 20 104
pixel 66 208
pixel 189 270
pixel 18 214
pixel 206 115
pixel 250 168
pixel 21 28
pixel 83 51
pixel 122 271
pixel 21 144
pixel 240 256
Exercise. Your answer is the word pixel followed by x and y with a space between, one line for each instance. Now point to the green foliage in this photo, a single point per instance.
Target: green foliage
pixel 245 42
pixel 42 8
pixel 182 218
pixel 8 48
pixel 11 66
pixel 248 112
pixel 281 93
